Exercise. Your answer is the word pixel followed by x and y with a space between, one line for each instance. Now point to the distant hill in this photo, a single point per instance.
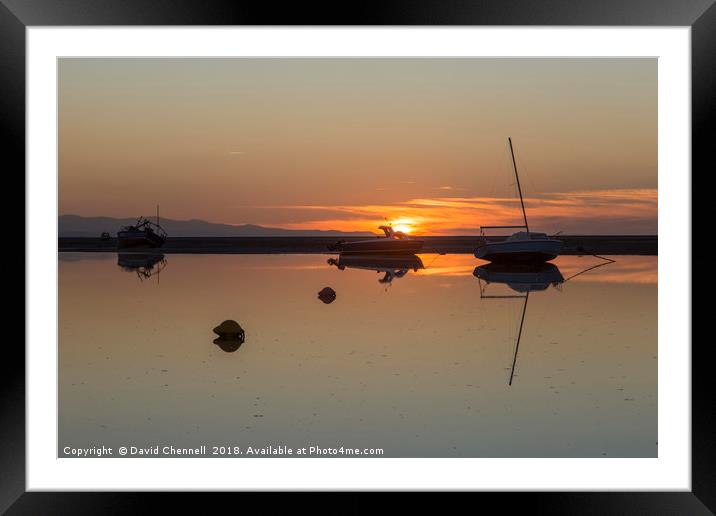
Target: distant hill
pixel 76 226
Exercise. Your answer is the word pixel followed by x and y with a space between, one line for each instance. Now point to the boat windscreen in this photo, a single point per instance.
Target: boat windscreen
pixel 388 230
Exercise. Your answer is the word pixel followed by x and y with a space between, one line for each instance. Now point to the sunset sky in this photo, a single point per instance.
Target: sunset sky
pixel 342 143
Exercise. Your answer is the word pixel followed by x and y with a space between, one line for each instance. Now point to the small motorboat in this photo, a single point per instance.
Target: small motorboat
pixel 523 246
pixel 143 233
pixel 392 266
pixel 394 242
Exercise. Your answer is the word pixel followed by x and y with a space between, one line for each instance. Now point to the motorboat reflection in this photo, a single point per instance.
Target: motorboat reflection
pixel 144 265
pixel 392 266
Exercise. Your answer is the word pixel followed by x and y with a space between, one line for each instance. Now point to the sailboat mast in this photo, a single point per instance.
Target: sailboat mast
pixel 519 188
pixel 157 214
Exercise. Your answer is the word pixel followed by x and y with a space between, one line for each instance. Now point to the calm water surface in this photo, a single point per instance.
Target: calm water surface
pixel 419 366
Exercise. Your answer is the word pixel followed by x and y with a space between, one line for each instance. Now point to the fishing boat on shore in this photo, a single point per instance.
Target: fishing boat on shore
pixel 523 246
pixel 142 234
pixel 394 242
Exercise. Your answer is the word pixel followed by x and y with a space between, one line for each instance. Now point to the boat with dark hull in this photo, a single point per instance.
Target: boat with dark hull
pixel 394 242
pixel 523 246
pixel 393 266
pixel 143 234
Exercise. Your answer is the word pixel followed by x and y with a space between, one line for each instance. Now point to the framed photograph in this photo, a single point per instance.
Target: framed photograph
pixel 428 248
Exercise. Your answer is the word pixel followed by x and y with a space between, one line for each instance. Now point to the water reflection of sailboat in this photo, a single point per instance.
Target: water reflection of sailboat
pixel 524 278
pixel 520 278
pixel 393 266
pixel 145 265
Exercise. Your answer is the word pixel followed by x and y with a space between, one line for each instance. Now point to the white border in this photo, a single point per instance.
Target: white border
pixel 672 470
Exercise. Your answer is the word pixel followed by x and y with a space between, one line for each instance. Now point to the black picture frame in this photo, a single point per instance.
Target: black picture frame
pixel 17 15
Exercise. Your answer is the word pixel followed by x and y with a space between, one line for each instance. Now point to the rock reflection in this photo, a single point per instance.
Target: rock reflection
pixel 228 344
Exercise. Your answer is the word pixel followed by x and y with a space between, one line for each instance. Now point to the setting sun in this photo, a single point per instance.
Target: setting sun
pixel 405 228
pixel 404 224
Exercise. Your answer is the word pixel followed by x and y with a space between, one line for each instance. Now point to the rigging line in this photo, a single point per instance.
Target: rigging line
pixel 606 262
pixel 431 263
pixel 493 182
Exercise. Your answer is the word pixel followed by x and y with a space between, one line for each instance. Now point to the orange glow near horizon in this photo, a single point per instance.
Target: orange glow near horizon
pixel 553 212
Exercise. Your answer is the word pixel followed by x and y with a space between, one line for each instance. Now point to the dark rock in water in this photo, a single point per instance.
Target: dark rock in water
pixel 229 344
pixel 231 336
pixel 327 295
pixel 230 329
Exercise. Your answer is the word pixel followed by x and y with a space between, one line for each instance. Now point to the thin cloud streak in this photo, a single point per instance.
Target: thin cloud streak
pixel 621 211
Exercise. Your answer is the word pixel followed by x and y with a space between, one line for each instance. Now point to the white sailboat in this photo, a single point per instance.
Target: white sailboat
pixel 523 246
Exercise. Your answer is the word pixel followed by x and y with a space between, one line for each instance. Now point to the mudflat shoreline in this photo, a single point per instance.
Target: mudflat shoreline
pixel 573 245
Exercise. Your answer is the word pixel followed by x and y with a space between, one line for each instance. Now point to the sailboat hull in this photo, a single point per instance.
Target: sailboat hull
pixel 522 251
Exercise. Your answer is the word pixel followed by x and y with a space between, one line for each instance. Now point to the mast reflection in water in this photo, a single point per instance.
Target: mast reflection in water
pixel 524 279
pixel 520 278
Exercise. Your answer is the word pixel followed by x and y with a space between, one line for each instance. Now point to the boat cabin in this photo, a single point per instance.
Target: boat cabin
pixel 527 235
